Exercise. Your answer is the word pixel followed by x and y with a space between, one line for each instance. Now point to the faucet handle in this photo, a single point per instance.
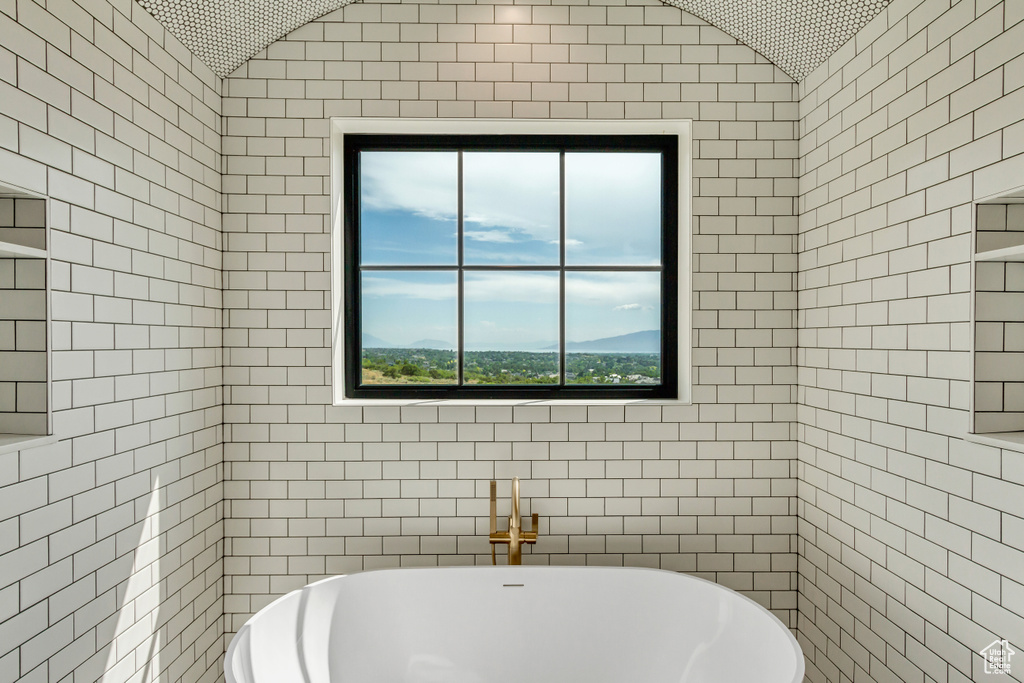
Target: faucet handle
pixel 494 507
pixel 495 535
pixel 531 535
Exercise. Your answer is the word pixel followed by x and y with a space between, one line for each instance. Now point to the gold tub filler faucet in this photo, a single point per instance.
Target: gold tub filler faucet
pixel 515 537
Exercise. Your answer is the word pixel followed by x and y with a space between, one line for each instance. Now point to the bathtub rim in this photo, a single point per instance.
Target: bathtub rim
pixel 240 640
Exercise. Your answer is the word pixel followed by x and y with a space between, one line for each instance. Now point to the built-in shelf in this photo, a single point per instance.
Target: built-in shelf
pixel 1015 253
pixel 1013 441
pixel 10 250
pixel 18 442
pixel 997 322
pixel 25 412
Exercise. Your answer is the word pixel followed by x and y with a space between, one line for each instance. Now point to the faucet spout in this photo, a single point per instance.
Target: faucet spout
pixel 515 537
pixel 514 520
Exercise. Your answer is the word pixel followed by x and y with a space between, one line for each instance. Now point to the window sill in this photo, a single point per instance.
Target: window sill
pixel 376 402
pixel 20 442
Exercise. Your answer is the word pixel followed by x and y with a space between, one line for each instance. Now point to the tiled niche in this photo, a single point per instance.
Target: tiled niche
pixel 998 296
pixel 24 376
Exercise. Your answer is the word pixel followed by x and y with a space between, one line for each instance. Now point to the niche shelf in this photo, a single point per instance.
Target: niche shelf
pixel 997 321
pixel 8 250
pixel 25 417
pixel 1005 255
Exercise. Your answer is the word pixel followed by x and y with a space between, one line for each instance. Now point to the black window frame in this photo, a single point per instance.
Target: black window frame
pixel 667 145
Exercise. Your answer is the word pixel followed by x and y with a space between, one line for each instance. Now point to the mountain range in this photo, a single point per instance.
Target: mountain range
pixel 372 342
pixel 647 341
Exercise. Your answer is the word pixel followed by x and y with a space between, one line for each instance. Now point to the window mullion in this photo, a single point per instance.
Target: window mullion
pixel 461 281
pixel 561 269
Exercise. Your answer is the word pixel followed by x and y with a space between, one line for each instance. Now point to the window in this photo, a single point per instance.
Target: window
pixel 513 265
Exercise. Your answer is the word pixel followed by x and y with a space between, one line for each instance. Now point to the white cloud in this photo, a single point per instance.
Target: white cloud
pixel 517 190
pixel 509 309
pixel 423 183
pixel 613 202
pixel 483 288
pixel 540 288
pixel 488 236
pixel 384 286
pixel 619 291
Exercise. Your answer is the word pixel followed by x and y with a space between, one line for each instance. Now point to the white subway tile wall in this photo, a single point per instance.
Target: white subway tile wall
pixel 843 491
pixel 313 490
pixel 111 540
pixel 911 539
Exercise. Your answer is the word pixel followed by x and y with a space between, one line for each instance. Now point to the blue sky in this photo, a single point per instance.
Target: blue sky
pixel 409 204
pixel 511 311
pixel 612 208
pixel 511 217
pixel 402 308
pixel 511 208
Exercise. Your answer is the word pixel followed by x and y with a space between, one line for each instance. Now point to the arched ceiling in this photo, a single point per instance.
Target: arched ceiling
pixel 796 35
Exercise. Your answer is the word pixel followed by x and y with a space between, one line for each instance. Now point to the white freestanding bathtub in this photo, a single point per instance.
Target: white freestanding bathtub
pixel 514 625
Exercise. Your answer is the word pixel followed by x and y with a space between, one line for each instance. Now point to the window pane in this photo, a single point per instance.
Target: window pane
pixel 510 208
pixel 408 207
pixel 613 208
pixel 511 328
pixel 409 326
pixel 613 328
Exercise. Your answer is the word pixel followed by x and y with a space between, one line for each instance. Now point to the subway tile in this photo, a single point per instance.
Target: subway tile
pixel 601 440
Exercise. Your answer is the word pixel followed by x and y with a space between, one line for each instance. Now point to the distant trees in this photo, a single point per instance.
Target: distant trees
pixel 512 367
pixel 410 370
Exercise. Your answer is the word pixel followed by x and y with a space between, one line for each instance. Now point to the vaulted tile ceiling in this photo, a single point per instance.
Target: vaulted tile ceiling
pixel 797 35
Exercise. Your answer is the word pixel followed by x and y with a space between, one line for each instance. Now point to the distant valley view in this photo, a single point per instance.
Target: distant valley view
pixel 625 359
